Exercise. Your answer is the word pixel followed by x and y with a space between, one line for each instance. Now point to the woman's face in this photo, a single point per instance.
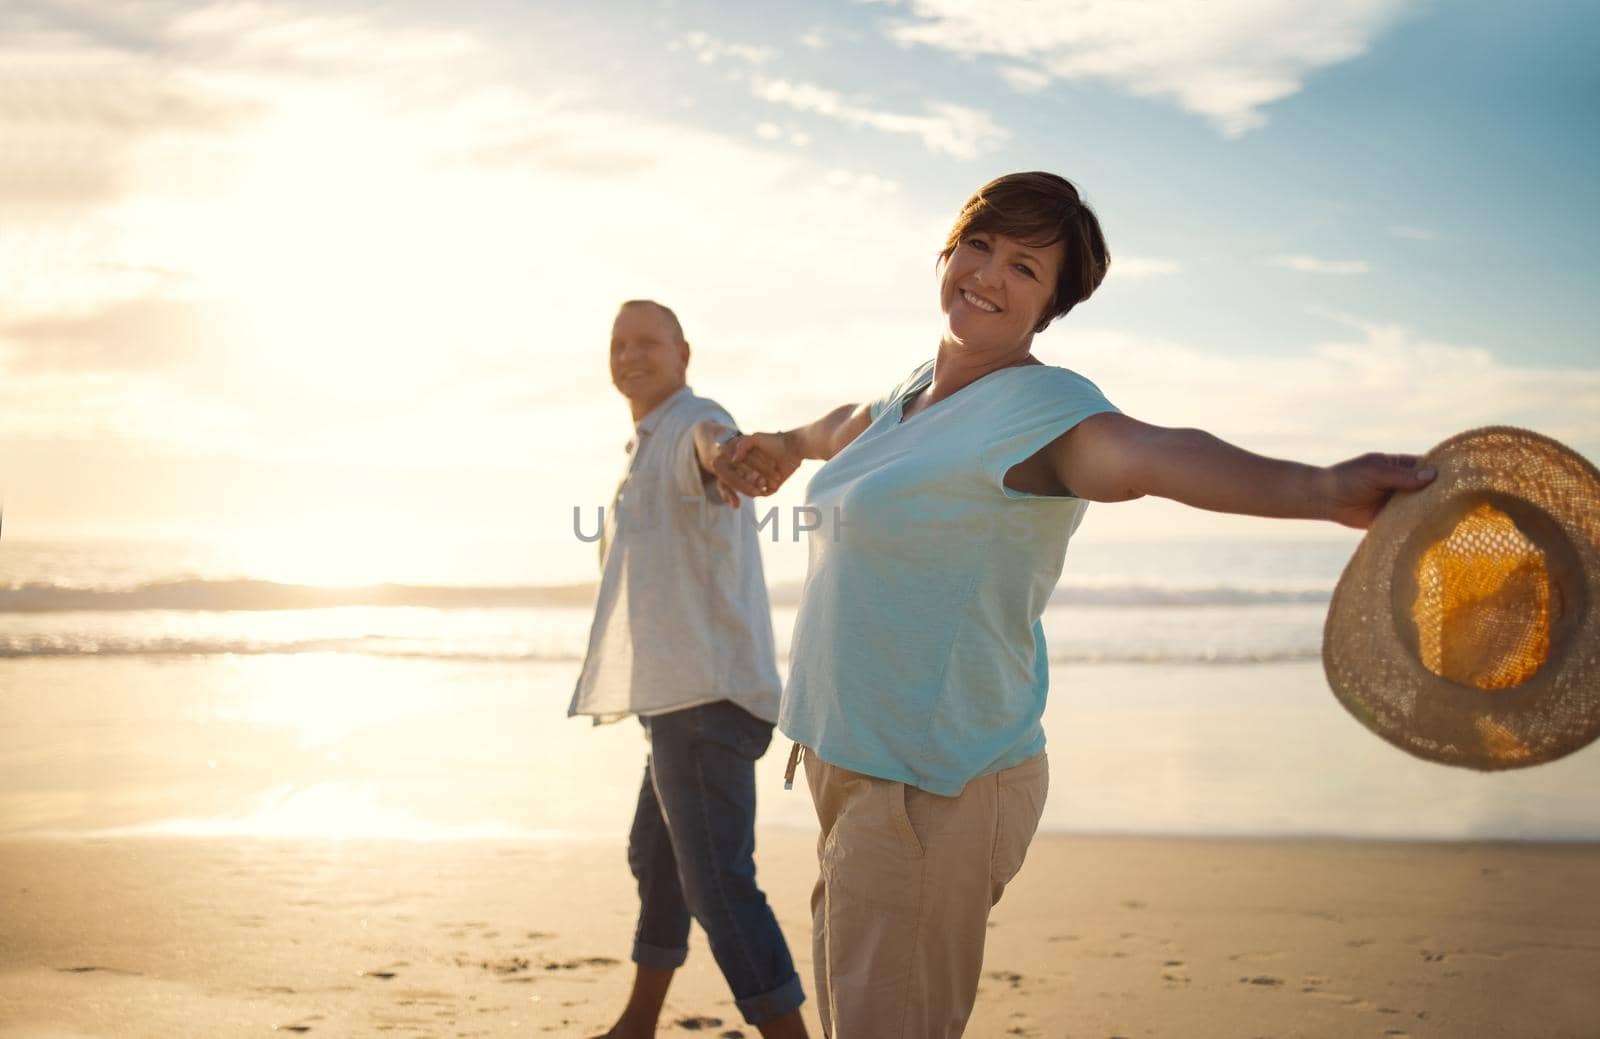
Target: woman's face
pixel 995 289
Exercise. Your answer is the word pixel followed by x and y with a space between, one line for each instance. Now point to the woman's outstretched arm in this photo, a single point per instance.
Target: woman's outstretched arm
pixel 1112 457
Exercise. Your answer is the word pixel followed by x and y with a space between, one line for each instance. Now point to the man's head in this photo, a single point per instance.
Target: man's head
pixel 1040 209
pixel 649 356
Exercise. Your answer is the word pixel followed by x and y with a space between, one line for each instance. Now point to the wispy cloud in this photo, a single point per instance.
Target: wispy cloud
pixel 79 118
pixel 1225 60
pixel 296 278
pixel 122 336
pixel 1416 234
pixel 709 50
pixel 1025 79
pixel 1317 265
pixel 959 131
pixel 862 183
pixel 948 129
pixel 773 132
pixel 1124 267
pixel 1383 388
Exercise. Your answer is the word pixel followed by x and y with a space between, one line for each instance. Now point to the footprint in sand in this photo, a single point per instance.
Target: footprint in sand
pixel 1010 977
pixel 510 965
pixel 99 970
pixel 696 1022
pixel 1175 972
pixel 1264 980
pixel 586 961
pixel 1255 956
pixel 1344 999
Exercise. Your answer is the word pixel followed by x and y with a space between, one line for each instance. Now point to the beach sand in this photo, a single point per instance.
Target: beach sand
pixel 1098 937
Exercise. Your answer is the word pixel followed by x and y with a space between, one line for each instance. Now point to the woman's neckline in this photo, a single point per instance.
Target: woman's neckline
pixel 901 418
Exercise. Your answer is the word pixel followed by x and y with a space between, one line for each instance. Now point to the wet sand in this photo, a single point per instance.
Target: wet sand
pixel 1098 938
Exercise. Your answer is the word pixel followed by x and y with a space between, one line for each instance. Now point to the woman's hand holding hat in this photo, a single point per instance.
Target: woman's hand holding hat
pixel 1466 627
pixel 1357 489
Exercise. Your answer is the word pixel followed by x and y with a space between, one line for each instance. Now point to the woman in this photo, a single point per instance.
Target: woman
pixel 918 667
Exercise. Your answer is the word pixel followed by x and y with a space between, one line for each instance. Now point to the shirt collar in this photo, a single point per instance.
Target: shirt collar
pixel 648 424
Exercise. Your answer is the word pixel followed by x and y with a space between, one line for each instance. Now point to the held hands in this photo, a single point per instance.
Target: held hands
pixel 1357 489
pixel 753 464
pixel 772 456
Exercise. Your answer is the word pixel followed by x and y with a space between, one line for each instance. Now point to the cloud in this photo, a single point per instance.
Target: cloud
pixel 861 183
pixel 398 247
pixel 1124 267
pixel 709 50
pixel 136 335
pixel 1316 265
pixel 78 121
pixel 1025 79
pixel 1416 234
pixel 559 150
pixel 267 38
pixel 1384 388
pixel 1225 60
pixel 768 131
pixel 947 129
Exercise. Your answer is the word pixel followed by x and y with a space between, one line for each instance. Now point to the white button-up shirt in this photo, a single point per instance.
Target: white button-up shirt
pixel 681 617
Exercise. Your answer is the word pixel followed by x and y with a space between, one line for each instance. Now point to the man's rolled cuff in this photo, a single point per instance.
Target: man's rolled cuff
pixel 657 958
pixel 781 1000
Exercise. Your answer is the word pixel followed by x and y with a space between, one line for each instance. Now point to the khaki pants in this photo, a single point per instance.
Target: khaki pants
pixel 901 907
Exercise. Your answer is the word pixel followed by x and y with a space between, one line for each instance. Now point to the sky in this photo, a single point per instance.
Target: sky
pixel 338 277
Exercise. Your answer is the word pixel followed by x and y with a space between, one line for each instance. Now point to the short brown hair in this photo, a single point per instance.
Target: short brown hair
pixel 1039 210
pixel 666 312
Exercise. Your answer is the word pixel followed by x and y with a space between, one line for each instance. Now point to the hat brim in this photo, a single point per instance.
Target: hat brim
pixel 1551 493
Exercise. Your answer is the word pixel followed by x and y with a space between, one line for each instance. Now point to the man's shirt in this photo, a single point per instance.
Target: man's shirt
pixel 681 617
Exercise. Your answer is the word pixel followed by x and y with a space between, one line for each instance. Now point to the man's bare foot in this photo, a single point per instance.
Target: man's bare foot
pixel 789 1026
pixel 639 1017
pixel 627 1031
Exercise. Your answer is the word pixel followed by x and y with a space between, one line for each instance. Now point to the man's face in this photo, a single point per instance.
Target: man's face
pixel 648 360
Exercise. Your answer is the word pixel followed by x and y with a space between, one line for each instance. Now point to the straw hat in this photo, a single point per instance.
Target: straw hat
pixel 1466 628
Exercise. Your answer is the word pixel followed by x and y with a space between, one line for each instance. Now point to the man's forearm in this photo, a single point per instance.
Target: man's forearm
pixel 706 433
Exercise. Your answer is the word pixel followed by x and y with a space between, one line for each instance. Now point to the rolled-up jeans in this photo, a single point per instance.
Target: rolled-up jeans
pixel 692 850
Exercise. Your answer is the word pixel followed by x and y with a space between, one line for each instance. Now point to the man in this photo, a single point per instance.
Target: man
pixel 682 638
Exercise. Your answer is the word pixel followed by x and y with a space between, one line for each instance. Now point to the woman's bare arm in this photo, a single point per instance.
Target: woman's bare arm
pixel 1112 457
pixel 776 456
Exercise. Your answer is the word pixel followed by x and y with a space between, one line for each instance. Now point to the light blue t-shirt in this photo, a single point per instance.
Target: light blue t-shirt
pixel 918 655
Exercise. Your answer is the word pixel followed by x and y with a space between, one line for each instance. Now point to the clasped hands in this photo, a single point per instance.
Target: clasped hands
pixel 754 464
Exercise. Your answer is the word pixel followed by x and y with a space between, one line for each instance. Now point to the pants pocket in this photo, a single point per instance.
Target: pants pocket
pixel 900 814
pixel 1022 793
pixel 731 726
pixel 871 858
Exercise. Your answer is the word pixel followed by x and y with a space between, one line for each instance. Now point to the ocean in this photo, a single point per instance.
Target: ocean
pixel 177 688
